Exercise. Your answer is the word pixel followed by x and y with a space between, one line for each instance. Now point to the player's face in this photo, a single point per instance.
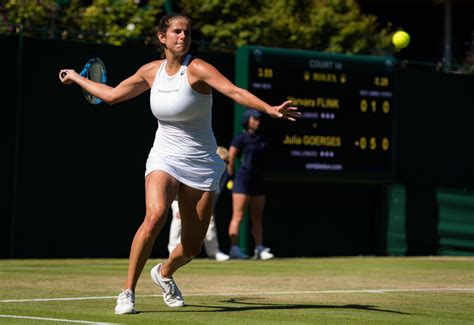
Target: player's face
pixel 178 36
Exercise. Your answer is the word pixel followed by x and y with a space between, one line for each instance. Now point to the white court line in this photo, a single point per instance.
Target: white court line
pixel 251 294
pixel 54 319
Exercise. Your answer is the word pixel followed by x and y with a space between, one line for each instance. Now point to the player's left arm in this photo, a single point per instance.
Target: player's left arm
pixel 201 70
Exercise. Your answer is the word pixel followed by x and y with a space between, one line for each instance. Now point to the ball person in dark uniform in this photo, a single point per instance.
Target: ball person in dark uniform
pixel 248 185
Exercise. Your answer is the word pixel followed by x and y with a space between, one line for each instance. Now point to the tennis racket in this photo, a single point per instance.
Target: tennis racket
pixel 94 70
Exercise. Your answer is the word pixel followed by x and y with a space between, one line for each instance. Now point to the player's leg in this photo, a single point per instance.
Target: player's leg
pixel 239 205
pixel 211 244
pixel 160 190
pixel 195 208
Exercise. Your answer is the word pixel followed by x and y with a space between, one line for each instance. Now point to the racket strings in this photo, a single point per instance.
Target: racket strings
pixel 95 73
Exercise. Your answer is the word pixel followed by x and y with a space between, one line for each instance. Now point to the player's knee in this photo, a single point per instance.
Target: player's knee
pixel 154 219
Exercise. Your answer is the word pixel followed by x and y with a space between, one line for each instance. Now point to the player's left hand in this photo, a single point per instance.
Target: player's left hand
pixel 285 111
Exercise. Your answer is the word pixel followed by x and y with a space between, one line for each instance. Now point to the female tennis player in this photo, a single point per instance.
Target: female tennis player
pixel 183 161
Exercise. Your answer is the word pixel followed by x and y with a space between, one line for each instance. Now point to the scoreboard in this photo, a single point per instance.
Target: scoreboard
pixel 346 128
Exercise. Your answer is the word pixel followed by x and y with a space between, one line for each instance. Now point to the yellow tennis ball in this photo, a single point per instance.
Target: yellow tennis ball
pixel 401 39
pixel 230 184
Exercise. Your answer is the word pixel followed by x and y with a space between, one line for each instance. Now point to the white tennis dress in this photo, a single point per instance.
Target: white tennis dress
pixel 184 146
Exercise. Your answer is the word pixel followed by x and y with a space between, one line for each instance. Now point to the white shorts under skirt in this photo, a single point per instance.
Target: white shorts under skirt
pixel 200 173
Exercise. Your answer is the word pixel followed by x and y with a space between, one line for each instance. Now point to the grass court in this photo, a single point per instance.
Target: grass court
pixel 339 290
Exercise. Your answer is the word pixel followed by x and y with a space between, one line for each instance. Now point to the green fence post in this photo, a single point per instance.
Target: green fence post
pixel 241 80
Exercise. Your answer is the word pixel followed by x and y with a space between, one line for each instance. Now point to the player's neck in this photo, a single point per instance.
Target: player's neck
pixel 173 63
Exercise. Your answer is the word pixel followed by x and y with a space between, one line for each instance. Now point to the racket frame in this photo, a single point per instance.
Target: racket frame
pixel 84 73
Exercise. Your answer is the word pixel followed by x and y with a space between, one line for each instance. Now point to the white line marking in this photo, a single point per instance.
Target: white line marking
pixel 58 299
pixel 54 319
pixel 252 294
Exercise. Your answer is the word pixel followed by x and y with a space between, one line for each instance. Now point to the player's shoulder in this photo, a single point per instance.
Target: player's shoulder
pixel 148 70
pixel 153 65
pixel 195 60
pixel 198 64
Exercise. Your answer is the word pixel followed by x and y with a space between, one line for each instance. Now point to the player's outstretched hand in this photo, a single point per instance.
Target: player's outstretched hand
pixel 285 111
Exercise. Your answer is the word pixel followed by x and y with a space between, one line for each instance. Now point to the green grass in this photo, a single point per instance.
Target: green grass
pixel 280 291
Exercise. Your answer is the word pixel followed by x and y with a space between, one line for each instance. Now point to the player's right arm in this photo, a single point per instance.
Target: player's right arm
pixel 129 88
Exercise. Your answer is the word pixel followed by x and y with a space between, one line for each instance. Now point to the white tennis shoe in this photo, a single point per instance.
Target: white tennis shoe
pixel 263 254
pixel 221 257
pixel 171 294
pixel 126 303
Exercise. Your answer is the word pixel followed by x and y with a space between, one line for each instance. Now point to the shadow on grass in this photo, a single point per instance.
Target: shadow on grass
pixel 242 305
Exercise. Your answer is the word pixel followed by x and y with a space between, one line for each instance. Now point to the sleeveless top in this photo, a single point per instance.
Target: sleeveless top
pixel 184 116
pixel 184 146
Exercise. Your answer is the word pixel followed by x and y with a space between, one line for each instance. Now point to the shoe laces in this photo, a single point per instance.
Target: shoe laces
pixel 126 296
pixel 170 288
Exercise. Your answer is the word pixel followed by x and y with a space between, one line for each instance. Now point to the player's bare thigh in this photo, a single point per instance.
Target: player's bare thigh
pixel 160 190
pixel 195 207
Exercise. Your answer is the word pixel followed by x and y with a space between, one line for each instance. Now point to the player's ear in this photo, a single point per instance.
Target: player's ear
pixel 161 37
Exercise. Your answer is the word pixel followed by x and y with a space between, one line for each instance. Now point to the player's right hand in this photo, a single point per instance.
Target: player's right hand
pixel 64 76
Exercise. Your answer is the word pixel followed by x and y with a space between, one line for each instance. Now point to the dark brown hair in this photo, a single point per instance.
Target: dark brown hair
pixel 163 26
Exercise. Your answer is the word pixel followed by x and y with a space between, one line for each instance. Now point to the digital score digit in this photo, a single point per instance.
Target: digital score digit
pixel 346 127
pixel 265 72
